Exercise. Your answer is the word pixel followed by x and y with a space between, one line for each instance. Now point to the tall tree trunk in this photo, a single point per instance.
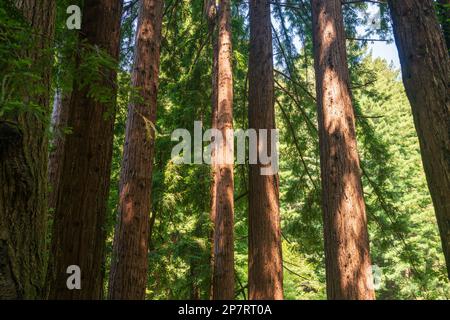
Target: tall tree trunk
pixel 23 172
pixel 426 70
pixel 223 279
pixel 78 229
pixel 445 20
pixel 128 278
pixel 211 13
pixel 265 259
pixel 348 266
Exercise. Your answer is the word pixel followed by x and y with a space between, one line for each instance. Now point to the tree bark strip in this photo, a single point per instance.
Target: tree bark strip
pixel 128 278
pixel 23 171
pixel 211 14
pixel 265 258
pixel 426 74
pixel 78 229
pixel 348 265
pixel 223 279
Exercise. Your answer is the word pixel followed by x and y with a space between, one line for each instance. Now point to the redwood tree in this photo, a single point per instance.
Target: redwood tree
pixel 348 266
pixel 426 74
pixel 211 13
pixel 223 270
pixel 81 203
pixel 23 167
pixel 265 260
pixel 128 277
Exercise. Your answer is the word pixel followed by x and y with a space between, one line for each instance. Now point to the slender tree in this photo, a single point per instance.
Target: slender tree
pixel 348 266
pixel 81 204
pixel 23 169
pixel 426 73
pixel 265 259
pixel 223 278
pixel 211 14
pixel 128 278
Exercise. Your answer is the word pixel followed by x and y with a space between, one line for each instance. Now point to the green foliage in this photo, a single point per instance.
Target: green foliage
pixel 403 233
pixel 18 44
pixel 404 236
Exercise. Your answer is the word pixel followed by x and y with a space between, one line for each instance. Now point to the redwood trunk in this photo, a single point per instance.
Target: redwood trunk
pixel 128 278
pixel 23 173
pixel 78 230
pixel 223 277
pixel 265 260
pixel 426 70
pixel 211 13
pixel 348 266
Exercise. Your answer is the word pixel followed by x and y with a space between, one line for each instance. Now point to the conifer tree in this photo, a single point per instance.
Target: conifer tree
pixel 348 266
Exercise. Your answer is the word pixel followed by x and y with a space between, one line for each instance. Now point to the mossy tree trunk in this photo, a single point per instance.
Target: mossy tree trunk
pixel 23 169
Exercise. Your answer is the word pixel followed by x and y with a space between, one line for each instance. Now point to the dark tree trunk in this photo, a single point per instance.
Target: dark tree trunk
pixel 128 278
pixel 78 229
pixel 426 70
pixel 23 172
pixel 348 266
pixel 223 278
pixel 265 259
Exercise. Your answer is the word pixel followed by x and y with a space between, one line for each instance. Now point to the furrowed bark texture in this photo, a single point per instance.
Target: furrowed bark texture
pixel 426 74
pixel 23 171
pixel 223 278
pixel 81 205
pixel 265 259
pixel 128 277
pixel 348 266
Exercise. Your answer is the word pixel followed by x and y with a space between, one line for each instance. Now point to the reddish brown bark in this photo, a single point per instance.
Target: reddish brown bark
pixel 211 13
pixel 78 229
pixel 128 278
pixel 348 266
pixel 426 74
pixel 23 169
pixel 265 259
pixel 223 278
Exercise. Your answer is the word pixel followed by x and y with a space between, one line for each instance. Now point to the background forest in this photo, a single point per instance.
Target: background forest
pixel 405 245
